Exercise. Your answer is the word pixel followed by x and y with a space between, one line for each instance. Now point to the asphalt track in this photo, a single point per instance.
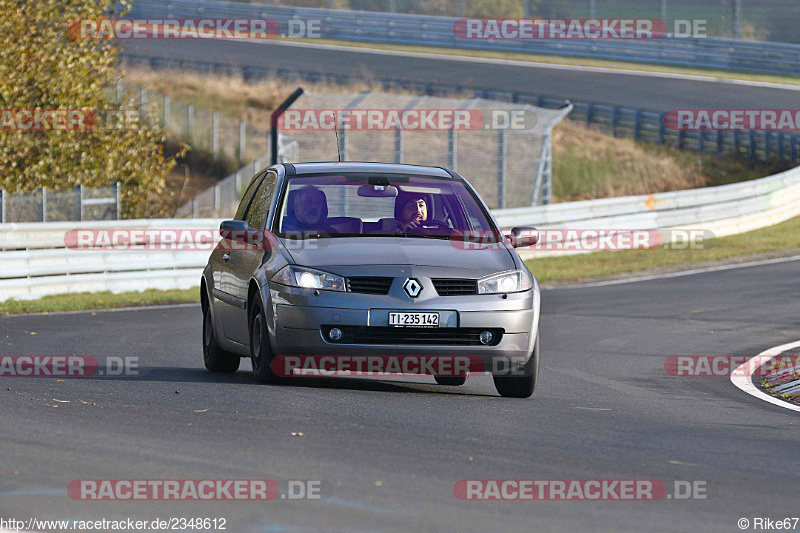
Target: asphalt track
pixel 651 92
pixel 392 449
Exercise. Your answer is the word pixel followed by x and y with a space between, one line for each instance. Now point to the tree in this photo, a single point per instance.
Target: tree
pixel 43 67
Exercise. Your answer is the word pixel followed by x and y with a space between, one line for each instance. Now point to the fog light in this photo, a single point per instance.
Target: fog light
pixel 335 334
pixel 486 337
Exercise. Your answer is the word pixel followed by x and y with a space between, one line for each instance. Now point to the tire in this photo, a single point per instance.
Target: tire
pixel 261 354
pixel 215 358
pixel 524 385
pixel 453 381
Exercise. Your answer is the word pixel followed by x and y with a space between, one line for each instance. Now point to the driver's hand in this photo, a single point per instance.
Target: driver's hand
pixel 414 224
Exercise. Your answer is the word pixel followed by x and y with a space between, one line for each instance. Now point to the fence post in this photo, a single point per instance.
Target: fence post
pixel 452 148
pixel 753 152
pixel 720 141
pixel 614 121
pixel 701 141
pixel 767 144
pixel 589 112
pixel 501 168
pixel 166 112
pixel 76 197
pixel 681 138
pixel 781 151
pixel 118 195
pixel 215 133
pixel 142 103
pixel 190 123
pixel 242 132
pixel 2 206
pixel 637 126
pixel 44 204
pixel 661 128
pixel 398 145
pixel 736 146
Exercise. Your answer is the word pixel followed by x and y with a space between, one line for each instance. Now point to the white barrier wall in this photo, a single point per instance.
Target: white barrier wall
pixel 35 262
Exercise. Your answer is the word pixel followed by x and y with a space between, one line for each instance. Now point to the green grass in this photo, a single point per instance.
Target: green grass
pixel 558 60
pixel 779 238
pixel 98 300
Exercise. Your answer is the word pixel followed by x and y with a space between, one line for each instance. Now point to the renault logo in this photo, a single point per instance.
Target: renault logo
pixel 412 287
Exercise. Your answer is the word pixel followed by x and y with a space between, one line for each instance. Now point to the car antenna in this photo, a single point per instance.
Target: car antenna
pixel 338 149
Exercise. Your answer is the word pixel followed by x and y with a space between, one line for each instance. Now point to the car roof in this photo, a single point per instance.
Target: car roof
pixel 354 166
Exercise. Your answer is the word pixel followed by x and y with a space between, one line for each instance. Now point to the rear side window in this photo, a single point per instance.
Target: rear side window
pixel 261 201
pixel 248 194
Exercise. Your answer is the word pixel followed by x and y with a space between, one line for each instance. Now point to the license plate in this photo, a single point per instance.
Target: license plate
pixel 414 320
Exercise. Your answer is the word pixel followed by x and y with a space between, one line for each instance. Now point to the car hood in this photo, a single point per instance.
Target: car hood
pixel 382 251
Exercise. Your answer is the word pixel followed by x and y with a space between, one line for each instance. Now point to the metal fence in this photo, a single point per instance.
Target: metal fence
pixel 429 30
pixel 766 20
pixel 503 148
pixel 225 139
pixel 78 203
pixel 640 124
pixel 222 199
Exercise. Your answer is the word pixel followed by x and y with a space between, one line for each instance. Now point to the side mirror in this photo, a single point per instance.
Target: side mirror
pixel 524 236
pixel 240 231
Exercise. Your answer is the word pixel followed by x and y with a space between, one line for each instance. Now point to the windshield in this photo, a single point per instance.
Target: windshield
pixel 379 205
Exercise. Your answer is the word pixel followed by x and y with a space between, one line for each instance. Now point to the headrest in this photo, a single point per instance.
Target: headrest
pixel 290 198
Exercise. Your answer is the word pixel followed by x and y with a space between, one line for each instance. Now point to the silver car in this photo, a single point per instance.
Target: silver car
pixel 367 259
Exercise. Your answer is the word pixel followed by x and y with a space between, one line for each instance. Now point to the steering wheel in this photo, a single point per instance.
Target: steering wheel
pixel 435 223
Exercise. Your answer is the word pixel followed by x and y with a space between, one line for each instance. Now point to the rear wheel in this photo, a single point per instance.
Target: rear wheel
pixel 215 358
pixel 260 350
pixel 523 384
pixel 453 381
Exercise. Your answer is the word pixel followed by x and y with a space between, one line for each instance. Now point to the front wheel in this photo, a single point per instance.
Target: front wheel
pixel 260 350
pixel 215 358
pixel 523 384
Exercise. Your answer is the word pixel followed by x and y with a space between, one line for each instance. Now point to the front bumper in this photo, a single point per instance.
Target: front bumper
pixel 299 331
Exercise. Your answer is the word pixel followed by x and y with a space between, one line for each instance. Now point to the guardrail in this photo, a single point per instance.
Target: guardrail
pixel 36 262
pixel 425 30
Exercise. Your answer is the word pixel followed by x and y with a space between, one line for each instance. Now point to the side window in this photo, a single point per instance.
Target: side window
pixel 261 201
pixel 248 194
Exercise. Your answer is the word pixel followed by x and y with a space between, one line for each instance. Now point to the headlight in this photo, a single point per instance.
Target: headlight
pixel 515 281
pixel 307 278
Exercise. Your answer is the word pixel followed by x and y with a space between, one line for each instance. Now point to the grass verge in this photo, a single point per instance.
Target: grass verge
pixel 779 240
pixel 99 300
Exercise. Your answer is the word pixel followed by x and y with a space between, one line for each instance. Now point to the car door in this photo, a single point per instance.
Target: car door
pixel 243 263
pixel 219 262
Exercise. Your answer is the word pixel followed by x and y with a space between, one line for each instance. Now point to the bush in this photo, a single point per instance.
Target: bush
pixel 44 67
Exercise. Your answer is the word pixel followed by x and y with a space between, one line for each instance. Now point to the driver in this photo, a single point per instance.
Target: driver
pixel 413 213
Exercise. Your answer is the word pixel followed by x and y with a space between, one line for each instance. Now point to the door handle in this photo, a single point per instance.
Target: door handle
pixel 226 257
